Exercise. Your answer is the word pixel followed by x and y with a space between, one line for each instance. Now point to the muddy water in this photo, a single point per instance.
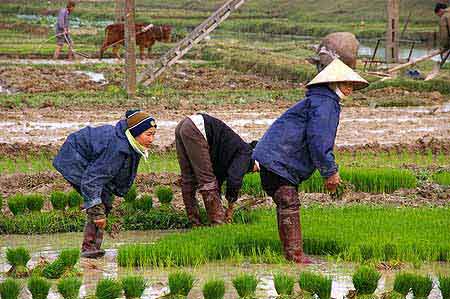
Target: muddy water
pixel 47 246
pixel 358 126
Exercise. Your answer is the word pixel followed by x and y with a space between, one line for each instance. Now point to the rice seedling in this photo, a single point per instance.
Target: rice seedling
pixel 180 283
pixel 164 194
pixel 74 199
pixel 17 204
pixel 214 289
pixel 64 263
pixel 69 288
pixel 10 289
pixel 444 286
pixel 315 284
pixel 35 202
pixel 245 285
pixel 441 178
pixel 38 287
pixel 108 289
pixel 131 194
pixel 420 285
pixel 133 286
pixel 144 203
pixel 284 284
pixel 365 280
pixel 59 200
pixel 18 259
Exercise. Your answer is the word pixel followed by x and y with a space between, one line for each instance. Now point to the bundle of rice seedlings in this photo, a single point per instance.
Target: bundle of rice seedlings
pixel 10 289
pixel 65 262
pixel 74 199
pixel 245 285
pixel 69 288
pixel 18 259
pixel 131 194
pixel 108 289
pixel 59 200
pixel 365 280
pixel 133 286
pixel 144 203
pixel 180 283
pixel 284 284
pixel 17 204
pixel 444 286
pixel 315 284
pixel 420 285
pixel 164 194
pixel 38 287
pixel 35 202
pixel 214 289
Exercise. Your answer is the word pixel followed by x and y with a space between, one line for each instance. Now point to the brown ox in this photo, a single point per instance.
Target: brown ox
pixel 114 36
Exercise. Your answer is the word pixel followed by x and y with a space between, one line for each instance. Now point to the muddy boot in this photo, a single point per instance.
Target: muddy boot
pixel 91 242
pixel 289 227
pixel 214 208
pixel 191 205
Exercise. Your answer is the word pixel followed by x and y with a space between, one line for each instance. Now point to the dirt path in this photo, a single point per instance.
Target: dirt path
pixel 358 126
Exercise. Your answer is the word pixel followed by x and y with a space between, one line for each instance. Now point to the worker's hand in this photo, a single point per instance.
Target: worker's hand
pixel 229 212
pixel 333 182
pixel 101 223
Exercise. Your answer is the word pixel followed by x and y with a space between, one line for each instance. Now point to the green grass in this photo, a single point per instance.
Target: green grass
pixel 131 194
pixel 74 199
pixel 180 283
pixel 354 233
pixel 444 286
pixel 18 259
pixel 164 194
pixel 17 204
pixel 420 285
pixel 284 284
pixel 108 289
pixel 315 284
pixel 69 288
pixel 59 200
pixel 365 280
pixel 441 178
pixel 214 289
pixel 10 289
pixel 245 285
pixel 65 262
pixel 35 202
pixel 133 286
pixel 39 287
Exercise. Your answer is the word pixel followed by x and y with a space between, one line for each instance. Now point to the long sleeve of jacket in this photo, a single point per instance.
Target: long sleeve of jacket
pixel 321 133
pixel 236 173
pixel 98 174
pixel 63 19
pixel 444 34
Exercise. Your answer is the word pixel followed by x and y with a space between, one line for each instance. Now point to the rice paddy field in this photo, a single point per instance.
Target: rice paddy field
pixel 385 234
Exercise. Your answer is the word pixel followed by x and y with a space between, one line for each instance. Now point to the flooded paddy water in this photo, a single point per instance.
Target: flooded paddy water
pixel 48 247
pixel 358 125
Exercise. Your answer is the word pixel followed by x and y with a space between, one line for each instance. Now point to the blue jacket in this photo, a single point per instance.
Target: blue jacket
pixel 302 139
pixel 98 159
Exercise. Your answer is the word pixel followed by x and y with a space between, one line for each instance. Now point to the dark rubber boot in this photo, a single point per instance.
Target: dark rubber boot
pixel 93 237
pixel 289 227
pixel 214 208
pixel 191 205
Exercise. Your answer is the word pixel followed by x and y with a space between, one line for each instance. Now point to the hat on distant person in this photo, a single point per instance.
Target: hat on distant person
pixel 339 72
pixel 139 122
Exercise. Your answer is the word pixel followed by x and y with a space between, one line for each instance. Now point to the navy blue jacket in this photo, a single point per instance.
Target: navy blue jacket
pixel 302 139
pixel 98 159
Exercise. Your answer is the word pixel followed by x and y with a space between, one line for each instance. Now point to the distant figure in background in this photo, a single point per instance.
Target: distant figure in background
pixel 62 30
pixel 443 13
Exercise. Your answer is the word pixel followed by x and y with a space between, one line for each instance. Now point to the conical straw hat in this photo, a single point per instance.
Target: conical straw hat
pixel 337 71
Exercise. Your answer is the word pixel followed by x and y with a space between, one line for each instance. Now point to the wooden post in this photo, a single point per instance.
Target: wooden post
pixel 130 45
pixel 392 32
pixel 119 11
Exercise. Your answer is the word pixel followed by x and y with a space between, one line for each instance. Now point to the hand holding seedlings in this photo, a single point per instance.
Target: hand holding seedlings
pixel 333 182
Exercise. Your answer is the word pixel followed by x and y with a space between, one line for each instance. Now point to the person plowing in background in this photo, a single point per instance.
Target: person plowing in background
pixel 210 153
pixel 62 30
pixel 300 141
pixel 101 162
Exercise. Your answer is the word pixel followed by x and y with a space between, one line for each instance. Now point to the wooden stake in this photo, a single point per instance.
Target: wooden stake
pixel 130 46
pixel 392 32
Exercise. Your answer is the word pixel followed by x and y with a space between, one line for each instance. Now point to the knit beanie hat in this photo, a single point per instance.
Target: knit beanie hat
pixel 139 122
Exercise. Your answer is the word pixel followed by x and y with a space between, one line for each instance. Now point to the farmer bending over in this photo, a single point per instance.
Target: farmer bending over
pixel 301 141
pixel 102 162
pixel 210 153
pixel 62 30
pixel 443 13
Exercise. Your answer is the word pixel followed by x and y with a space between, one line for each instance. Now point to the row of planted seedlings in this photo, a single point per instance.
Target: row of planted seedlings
pixel 351 233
